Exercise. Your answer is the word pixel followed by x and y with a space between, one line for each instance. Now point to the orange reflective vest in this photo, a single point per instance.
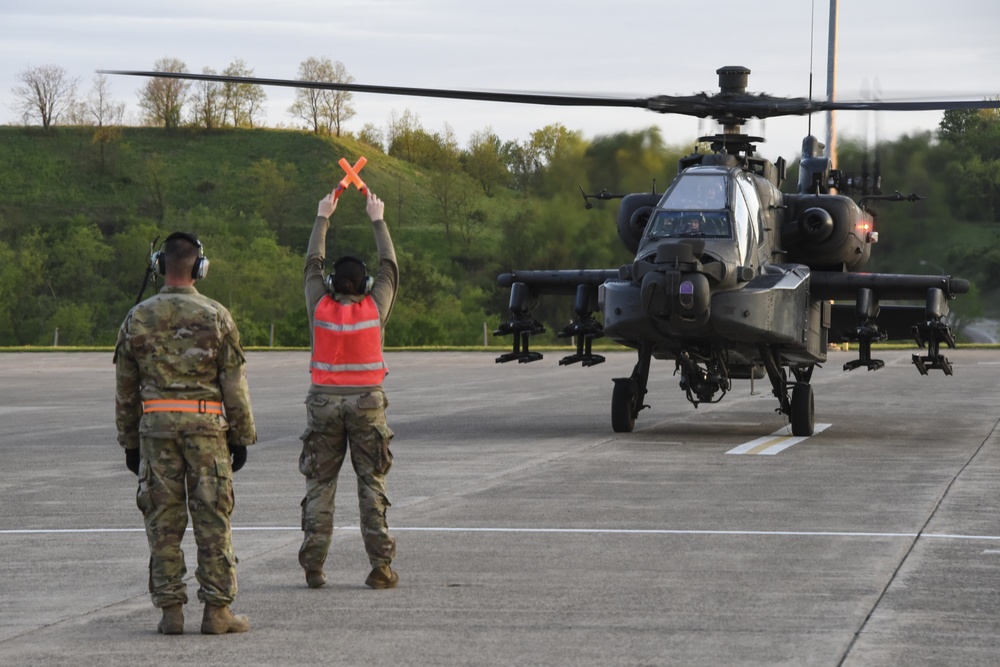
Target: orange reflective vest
pixel 347 344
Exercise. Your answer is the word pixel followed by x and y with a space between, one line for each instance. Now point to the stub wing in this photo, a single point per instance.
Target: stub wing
pixel 557 282
pixel 526 286
pixel 833 286
pixel 868 321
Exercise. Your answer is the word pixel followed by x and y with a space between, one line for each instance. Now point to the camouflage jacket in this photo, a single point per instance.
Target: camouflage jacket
pixel 180 344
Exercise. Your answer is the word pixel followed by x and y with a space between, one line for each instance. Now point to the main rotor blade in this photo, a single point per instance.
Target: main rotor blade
pixel 925 105
pixel 726 107
pixel 475 95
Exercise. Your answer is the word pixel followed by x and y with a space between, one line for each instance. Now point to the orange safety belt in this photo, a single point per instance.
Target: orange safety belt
pixel 182 405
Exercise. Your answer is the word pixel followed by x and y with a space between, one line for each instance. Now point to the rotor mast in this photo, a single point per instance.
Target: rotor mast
pixel 733 81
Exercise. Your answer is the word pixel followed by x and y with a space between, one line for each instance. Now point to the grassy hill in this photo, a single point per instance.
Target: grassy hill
pixel 250 195
pixel 78 212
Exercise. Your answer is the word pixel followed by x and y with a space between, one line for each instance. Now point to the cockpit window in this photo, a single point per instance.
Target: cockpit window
pixel 696 192
pixel 690 223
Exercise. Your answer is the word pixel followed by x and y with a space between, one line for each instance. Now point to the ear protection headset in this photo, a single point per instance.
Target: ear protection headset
pixel 200 268
pixel 331 279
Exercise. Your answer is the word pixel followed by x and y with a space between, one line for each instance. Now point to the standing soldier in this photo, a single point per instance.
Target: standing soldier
pixel 346 403
pixel 182 410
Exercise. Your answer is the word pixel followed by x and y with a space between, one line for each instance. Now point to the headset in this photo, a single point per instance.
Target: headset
pixel 200 268
pixel 331 279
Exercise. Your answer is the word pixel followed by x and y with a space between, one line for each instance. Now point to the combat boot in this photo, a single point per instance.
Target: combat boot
pixel 172 622
pixel 315 578
pixel 382 576
pixel 218 620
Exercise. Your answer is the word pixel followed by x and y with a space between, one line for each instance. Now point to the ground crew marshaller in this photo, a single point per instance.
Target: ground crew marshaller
pixel 184 418
pixel 346 403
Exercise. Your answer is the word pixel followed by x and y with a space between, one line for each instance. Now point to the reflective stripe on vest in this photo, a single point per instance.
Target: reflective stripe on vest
pixel 347 344
pixel 182 405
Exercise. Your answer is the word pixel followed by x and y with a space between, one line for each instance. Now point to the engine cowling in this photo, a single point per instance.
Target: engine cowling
pixel 826 232
pixel 633 216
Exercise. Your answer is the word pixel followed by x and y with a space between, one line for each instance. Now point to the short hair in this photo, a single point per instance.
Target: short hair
pixel 180 251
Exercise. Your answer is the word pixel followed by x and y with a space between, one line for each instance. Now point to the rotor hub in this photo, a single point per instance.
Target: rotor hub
pixel 733 79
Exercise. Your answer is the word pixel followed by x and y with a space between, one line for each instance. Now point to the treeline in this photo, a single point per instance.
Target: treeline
pixel 80 206
pixel 49 95
pixel 77 218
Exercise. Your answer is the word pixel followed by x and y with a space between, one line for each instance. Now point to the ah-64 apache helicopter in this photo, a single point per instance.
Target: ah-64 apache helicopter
pixel 732 279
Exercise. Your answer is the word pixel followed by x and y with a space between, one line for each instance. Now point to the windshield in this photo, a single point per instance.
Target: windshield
pixel 696 192
pixel 690 223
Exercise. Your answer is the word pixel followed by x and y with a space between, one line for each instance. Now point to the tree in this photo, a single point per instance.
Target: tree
pixel 370 134
pixel 485 162
pixel 975 172
pixel 243 102
pixel 629 161
pixel 207 105
pixel 161 99
pixel 275 188
pixel 106 114
pixel 323 110
pixel 551 154
pixel 955 123
pixel 102 109
pixel 400 133
pixel 340 100
pixel 47 92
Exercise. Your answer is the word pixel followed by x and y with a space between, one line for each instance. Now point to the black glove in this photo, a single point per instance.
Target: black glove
pixel 132 460
pixel 239 453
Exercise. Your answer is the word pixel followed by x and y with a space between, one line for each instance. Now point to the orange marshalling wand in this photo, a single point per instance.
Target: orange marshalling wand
pixel 351 176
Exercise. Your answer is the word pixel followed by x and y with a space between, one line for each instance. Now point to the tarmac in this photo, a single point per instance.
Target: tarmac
pixel 528 532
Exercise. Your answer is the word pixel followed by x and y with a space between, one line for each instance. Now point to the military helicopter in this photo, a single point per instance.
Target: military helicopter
pixel 732 279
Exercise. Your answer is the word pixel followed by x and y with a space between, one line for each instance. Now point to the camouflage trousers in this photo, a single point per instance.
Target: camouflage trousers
pixel 334 424
pixel 177 475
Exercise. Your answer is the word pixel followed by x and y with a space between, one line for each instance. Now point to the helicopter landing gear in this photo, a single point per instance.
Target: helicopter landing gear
pixel 624 406
pixel 627 397
pixel 803 409
pixel 800 408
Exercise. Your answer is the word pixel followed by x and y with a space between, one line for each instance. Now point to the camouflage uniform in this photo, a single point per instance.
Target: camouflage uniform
pixel 182 345
pixel 339 416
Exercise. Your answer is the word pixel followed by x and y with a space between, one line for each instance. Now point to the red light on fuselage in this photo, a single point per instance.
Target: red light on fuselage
pixel 863 226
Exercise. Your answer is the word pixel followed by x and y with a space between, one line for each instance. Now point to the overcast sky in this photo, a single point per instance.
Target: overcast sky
pixel 908 48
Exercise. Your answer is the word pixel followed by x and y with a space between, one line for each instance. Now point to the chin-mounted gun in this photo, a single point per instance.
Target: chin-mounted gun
pixel 931 332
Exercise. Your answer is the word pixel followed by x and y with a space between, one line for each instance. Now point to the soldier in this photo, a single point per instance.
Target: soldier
pixel 182 410
pixel 346 402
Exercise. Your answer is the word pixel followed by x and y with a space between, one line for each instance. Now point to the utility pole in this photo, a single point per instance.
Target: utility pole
pixel 831 87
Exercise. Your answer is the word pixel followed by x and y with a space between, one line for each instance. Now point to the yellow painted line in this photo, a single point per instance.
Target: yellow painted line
pixel 767 443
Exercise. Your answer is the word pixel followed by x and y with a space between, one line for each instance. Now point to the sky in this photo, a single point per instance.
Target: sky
pixel 907 49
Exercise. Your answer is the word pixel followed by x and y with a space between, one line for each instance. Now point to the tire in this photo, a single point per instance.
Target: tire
pixel 803 409
pixel 623 410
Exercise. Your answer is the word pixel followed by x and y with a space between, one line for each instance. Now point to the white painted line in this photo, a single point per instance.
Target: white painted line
pixel 777 442
pixel 571 531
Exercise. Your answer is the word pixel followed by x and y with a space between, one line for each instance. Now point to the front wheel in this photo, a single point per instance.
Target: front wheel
pixel 623 406
pixel 803 409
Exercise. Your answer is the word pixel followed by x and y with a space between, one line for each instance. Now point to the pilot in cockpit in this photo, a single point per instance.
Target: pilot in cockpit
pixel 691 224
